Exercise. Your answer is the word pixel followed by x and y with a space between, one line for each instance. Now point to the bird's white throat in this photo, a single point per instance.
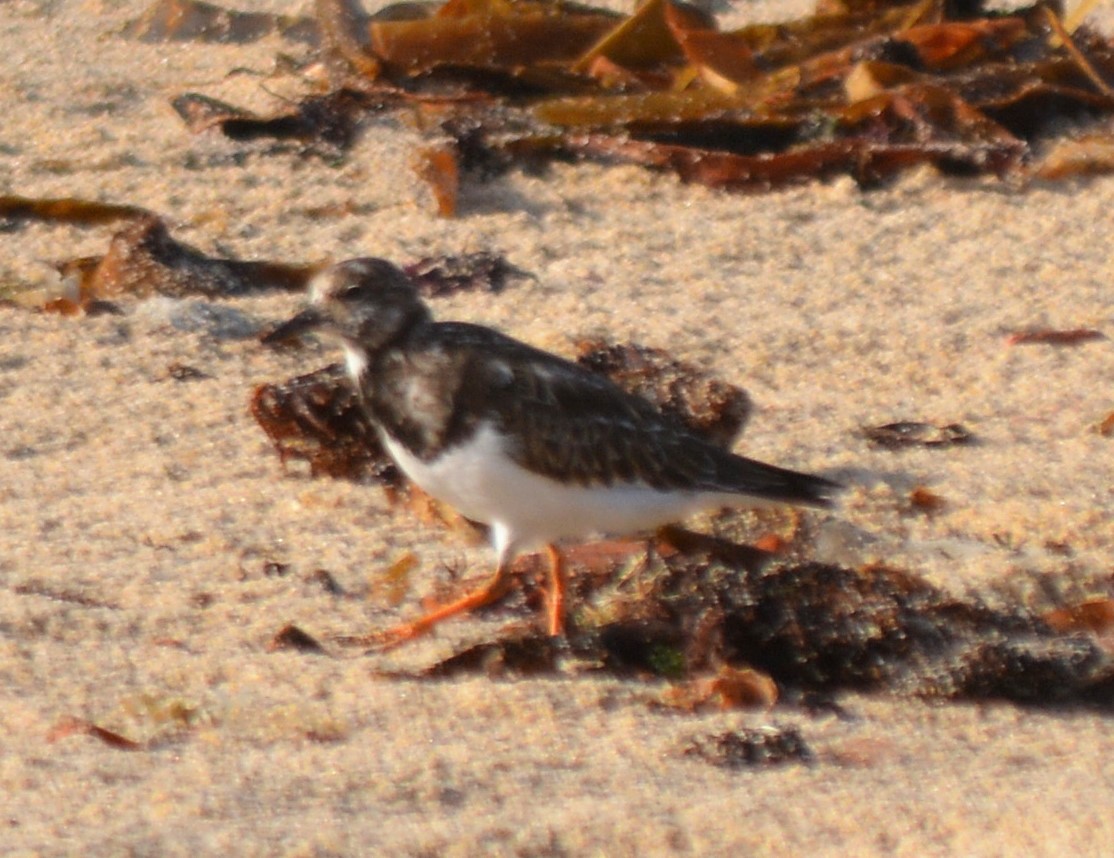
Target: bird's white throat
pixel 355 360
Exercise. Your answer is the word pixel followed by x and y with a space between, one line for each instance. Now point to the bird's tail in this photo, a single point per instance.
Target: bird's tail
pixel 744 476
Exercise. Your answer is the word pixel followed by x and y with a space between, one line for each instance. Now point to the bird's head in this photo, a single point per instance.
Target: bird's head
pixel 363 303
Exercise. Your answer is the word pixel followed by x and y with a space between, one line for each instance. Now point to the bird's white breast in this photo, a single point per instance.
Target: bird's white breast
pixel 484 484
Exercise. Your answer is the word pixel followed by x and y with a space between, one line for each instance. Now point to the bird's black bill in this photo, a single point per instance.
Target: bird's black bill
pixel 294 329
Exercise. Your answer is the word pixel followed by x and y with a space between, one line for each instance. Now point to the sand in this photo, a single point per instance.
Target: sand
pixel 151 544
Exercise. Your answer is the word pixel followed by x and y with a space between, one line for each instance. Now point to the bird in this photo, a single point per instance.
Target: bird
pixel 536 447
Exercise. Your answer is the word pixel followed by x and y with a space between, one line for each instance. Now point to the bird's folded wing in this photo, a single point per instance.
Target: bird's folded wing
pixel 571 424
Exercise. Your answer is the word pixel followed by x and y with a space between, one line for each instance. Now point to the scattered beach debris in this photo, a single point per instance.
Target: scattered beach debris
pixel 184 372
pixel 71 726
pixel 292 637
pixel 907 433
pixel 727 688
pixel 481 271
pixel 275 569
pixel 751 748
pixel 818 626
pixel 1054 337
pixel 925 501
pixel 324 579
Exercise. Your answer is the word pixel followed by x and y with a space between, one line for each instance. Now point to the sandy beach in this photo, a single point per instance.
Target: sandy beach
pixel 151 543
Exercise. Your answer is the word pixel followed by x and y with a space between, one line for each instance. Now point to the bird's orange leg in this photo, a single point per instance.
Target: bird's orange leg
pixel 556 600
pixel 495 587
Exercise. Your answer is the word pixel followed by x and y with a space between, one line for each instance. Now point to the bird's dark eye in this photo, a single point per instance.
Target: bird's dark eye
pixel 351 293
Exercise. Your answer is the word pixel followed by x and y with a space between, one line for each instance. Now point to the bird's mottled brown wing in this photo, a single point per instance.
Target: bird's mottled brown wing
pixel 571 424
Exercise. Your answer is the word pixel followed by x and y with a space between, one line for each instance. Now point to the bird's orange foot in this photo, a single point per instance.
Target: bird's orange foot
pixel 389 638
pixel 395 636
pixel 404 632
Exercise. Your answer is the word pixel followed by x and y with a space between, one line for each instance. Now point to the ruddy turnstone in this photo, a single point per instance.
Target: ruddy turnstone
pixel 534 446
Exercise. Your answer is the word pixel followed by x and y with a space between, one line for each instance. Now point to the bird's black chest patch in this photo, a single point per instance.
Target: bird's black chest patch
pixel 414 396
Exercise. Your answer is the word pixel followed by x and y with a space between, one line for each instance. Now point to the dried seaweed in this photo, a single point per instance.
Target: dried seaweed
pixel 813 627
pixel 317 418
pixel 864 89
pixel 322 125
pixel 1054 337
pixel 485 34
pixel 144 259
pixel 825 627
pixel 438 276
pixel 705 404
pixel 16 209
